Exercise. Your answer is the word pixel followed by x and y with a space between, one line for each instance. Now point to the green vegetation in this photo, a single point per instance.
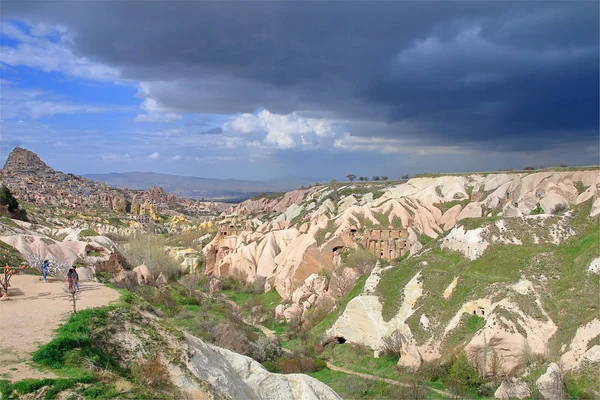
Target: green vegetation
pixel 443 207
pixel 537 210
pixel 149 250
pixel 268 196
pixel 321 235
pixel 464 378
pixel 9 255
pixel 269 300
pixel 580 187
pixel 12 205
pixel 354 387
pixel 360 358
pixel 88 232
pixel 474 323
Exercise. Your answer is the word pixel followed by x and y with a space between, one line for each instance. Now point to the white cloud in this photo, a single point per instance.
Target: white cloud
pixel 154 156
pixel 283 131
pixel 114 157
pixel 153 110
pixel 176 157
pixel 39 51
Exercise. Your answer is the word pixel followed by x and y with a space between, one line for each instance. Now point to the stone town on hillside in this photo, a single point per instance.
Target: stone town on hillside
pixel 32 181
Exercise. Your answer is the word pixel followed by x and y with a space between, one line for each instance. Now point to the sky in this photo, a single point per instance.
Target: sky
pixel 313 89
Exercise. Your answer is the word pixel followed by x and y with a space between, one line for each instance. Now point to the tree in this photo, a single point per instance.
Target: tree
pixel 351 177
pixel 393 343
pixel 464 378
pixel 12 205
pixel 376 178
pixel 363 179
pixel 384 178
pixel 190 282
pixel 405 177
pixel 58 267
pixel 8 200
pixel 7 274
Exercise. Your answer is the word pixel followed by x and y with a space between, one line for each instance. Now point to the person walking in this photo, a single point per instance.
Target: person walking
pixel 70 279
pixel 45 268
pixel 75 278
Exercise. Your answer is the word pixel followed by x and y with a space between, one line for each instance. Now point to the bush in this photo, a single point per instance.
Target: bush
pixel 537 210
pixel 190 283
pixel 151 372
pixel 150 250
pixel 265 350
pixel 258 286
pixel 463 377
pixel 298 364
pixel 559 208
pixel 359 259
pixel 393 343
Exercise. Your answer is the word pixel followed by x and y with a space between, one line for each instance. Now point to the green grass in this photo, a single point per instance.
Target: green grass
pixel 9 255
pixel 474 323
pixel 269 299
pixel 88 232
pixel 322 233
pixel 360 359
pixel 354 387
pixel 443 207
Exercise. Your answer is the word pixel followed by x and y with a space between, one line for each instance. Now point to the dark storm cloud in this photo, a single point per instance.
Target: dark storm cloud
pixel 513 75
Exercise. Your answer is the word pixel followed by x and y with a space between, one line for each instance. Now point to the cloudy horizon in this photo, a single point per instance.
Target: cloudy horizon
pixel 318 90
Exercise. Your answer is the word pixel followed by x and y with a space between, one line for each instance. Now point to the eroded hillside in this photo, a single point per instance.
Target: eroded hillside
pixel 502 266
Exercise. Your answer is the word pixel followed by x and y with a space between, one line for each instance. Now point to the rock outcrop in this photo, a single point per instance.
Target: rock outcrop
pixel 288 246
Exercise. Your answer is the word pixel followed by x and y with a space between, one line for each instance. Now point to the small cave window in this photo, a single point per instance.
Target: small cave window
pixel 474 312
pixel 340 339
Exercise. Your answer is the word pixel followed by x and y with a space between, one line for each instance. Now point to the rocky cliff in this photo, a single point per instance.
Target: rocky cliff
pixel 286 238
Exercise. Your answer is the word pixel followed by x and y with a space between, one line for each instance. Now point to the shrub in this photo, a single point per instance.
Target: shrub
pixel 227 335
pixel 559 208
pixel 359 259
pixel 537 210
pixel 258 286
pixel 297 364
pixel 580 187
pixel 150 250
pixel 189 282
pixel 151 372
pixel 393 343
pixel 463 377
pixel 265 350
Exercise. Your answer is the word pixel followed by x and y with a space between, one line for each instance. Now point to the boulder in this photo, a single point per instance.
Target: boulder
pixel 410 357
pixel 550 384
pixel 125 279
pixel 143 275
pixel 293 312
pixel 161 280
pixel 512 388
pixel 86 274
pixel 551 201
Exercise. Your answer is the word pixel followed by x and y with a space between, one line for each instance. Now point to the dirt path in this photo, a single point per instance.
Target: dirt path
pixel 35 309
pixel 270 334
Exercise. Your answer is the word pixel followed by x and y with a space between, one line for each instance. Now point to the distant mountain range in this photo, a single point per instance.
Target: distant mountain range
pixel 231 190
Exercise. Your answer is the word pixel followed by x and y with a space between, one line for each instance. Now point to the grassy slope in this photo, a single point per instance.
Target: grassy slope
pixel 568 299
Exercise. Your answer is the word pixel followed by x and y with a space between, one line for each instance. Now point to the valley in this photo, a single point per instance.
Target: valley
pixel 466 285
